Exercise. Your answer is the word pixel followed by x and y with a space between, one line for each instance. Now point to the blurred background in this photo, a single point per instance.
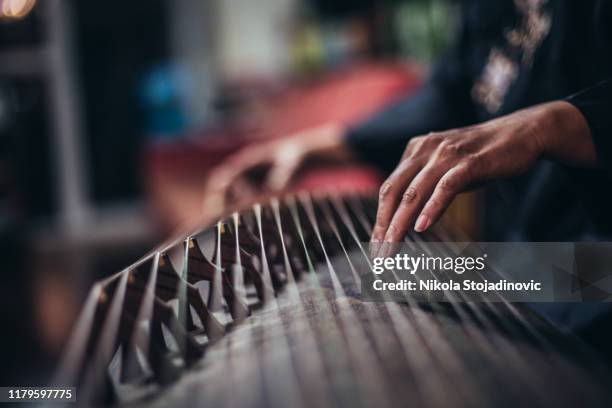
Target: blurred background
pixel 113 112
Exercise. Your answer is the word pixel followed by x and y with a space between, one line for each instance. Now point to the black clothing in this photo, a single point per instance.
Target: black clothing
pixel 510 55
pixel 595 103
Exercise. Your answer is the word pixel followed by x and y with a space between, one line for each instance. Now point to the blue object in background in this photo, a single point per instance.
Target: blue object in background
pixel 164 94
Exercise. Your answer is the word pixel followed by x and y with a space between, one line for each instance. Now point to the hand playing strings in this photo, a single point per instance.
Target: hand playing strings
pixel 269 167
pixel 437 167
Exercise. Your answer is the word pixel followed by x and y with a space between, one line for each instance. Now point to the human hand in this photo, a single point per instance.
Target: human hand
pixel 269 167
pixel 436 167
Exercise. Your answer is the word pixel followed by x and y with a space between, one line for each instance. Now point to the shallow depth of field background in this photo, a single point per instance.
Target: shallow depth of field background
pixel 113 112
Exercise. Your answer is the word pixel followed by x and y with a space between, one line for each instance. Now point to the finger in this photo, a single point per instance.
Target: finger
pixel 213 203
pixel 281 174
pixel 412 201
pixel 218 186
pixel 235 168
pixel 215 190
pixel 451 184
pixel 221 195
pixel 240 192
pixel 223 176
pixel 288 159
pixel 390 195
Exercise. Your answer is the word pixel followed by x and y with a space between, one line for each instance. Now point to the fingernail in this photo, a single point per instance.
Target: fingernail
pixel 422 223
pixel 374 247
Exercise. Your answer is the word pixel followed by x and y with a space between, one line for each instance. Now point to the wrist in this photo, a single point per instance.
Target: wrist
pixel 327 142
pixel 563 134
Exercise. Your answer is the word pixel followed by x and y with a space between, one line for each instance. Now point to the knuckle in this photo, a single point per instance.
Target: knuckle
pixel 385 189
pixel 436 138
pixel 448 184
pixel 449 149
pixel 445 144
pixel 420 144
pixel 409 195
pixel 473 165
pixel 378 231
pixel 417 140
pixel 411 144
pixel 434 202
pixel 392 230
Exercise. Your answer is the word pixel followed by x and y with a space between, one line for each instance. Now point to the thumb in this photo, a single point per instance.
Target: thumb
pixel 280 175
pixel 288 158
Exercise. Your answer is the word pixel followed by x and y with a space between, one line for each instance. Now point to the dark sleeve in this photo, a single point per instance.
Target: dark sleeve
pixel 595 104
pixel 443 102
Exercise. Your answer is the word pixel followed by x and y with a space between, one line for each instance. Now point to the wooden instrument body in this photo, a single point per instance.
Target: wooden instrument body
pixel 263 310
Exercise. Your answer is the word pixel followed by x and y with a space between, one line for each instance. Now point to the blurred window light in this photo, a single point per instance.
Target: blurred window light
pixel 15 9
